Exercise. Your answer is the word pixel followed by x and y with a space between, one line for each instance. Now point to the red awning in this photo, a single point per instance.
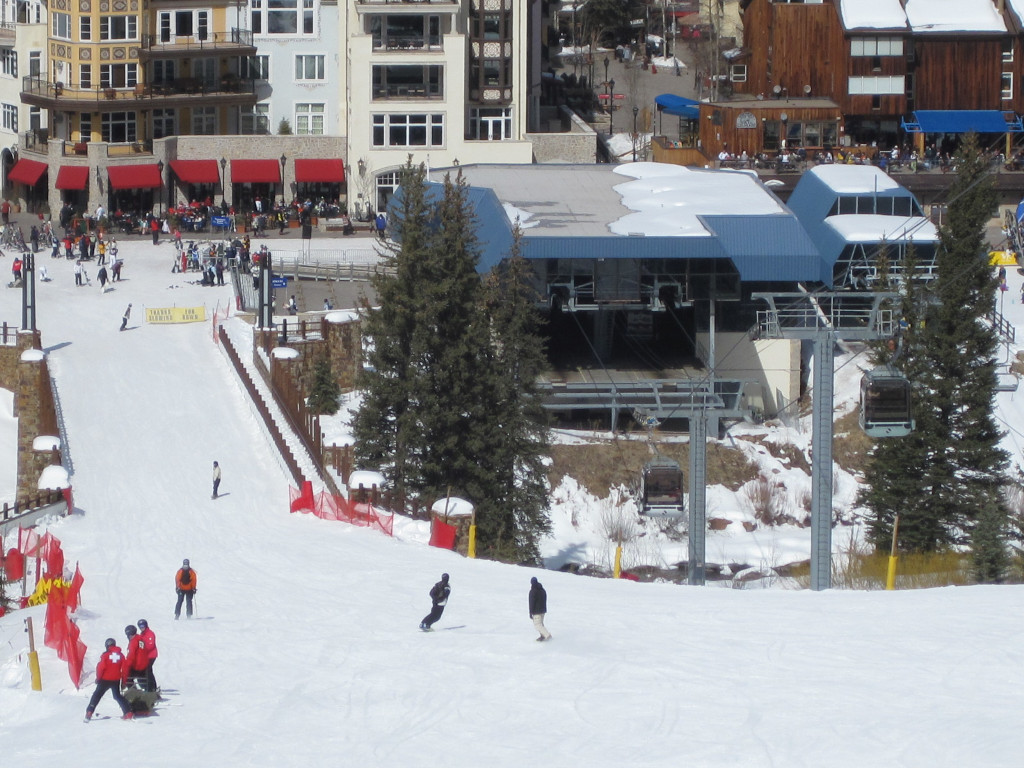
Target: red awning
pixel 27 172
pixel 135 176
pixel 255 172
pixel 196 171
pixel 319 170
pixel 72 177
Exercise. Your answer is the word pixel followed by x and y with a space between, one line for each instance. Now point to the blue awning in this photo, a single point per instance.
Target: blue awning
pixel 680 106
pixel 963 121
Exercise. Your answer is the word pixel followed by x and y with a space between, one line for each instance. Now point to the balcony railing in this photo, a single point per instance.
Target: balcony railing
pixel 407 91
pixel 407 43
pixel 37 87
pixel 7 31
pixel 236 38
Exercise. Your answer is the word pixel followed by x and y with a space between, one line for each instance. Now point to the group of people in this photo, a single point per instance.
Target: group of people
pixel 118 669
pixel 538 605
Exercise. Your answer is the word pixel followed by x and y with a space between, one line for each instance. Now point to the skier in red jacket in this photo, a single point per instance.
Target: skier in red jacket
pixel 149 649
pixel 109 673
pixel 136 659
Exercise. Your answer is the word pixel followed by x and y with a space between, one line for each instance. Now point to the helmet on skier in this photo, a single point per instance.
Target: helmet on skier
pixel 444 577
pixel 130 631
pixel 143 624
pixel 185 563
pixel 109 642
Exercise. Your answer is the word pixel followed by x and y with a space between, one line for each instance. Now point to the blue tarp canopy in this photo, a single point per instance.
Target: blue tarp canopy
pixel 680 106
pixel 963 121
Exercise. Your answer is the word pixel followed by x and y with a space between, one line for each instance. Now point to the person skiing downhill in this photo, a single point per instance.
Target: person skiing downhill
pixel 539 607
pixel 438 598
pixel 109 675
pixel 185 581
pixel 124 318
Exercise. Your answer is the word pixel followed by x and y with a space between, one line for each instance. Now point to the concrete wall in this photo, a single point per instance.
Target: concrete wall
pixel 576 143
pixel 773 363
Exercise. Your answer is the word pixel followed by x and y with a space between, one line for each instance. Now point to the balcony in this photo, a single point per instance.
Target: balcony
pixel 184 91
pixel 237 42
pixel 406 6
pixel 7 32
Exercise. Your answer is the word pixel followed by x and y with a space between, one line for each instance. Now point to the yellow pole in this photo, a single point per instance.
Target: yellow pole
pixel 33 659
pixel 890 575
pixel 617 572
pixel 471 548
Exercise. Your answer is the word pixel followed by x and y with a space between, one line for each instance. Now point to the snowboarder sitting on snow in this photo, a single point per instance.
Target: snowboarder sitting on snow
pixel 439 598
pixel 185 583
pixel 109 673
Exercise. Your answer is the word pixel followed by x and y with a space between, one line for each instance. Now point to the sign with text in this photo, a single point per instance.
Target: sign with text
pixel 279 282
pixel 176 315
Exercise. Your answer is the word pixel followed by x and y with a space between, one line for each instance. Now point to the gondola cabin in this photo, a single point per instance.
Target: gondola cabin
pixel 885 407
pixel 662 488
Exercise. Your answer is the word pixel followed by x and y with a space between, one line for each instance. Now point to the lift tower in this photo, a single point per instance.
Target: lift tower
pixel 823 319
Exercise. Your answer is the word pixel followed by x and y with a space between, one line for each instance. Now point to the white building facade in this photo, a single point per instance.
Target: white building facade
pixel 23 32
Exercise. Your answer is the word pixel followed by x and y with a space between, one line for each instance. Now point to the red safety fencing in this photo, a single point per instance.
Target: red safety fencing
pixel 327 506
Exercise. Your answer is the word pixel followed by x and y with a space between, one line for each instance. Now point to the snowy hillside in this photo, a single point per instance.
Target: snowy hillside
pixel 305 650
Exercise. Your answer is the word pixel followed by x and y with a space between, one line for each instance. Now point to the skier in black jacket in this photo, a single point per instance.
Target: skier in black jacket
pixel 439 598
pixel 538 607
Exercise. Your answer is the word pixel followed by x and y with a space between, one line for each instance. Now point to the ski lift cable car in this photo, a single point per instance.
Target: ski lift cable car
pixel 662 488
pixel 885 403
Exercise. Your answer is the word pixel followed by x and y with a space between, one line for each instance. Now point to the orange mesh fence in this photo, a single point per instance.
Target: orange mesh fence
pixel 327 506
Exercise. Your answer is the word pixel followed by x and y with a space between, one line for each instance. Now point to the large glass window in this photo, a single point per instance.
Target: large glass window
pixel 405 32
pixel 165 123
pixel 60 25
pixel 164 72
pixel 10 117
pixel 9 62
pixel 309 119
pixel 283 17
pixel 257 121
pixel 876 46
pixel 118 75
pixel 876 86
pixel 490 123
pixel 204 121
pixel 408 130
pixel 407 81
pixel 118 126
pixel 309 66
pixel 254 67
pixel 119 27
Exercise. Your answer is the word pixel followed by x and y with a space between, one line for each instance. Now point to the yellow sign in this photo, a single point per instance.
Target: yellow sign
pixel 176 315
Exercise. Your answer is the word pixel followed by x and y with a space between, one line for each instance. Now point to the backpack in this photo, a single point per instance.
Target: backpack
pixel 186 576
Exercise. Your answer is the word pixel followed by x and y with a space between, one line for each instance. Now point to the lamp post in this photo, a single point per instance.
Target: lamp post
pixel 160 168
pixel 223 185
pixel 606 63
pixel 784 118
pixel 284 159
pixel 636 110
pixel 611 108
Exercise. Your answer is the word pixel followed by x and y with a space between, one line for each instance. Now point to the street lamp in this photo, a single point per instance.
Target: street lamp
pixel 284 159
pixel 785 119
pixel 636 110
pixel 611 108
pixel 223 185
pixel 160 168
pixel 606 63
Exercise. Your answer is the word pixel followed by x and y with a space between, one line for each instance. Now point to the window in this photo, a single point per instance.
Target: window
pixel 407 81
pixel 406 32
pixel 163 72
pixel 256 122
pixel 309 119
pixel 204 121
pixel 118 75
pixel 119 27
pixel 739 73
pixel 10 117
pixel 282 17
pixel 85 28
pixel 387 183
pixel 490 123
pixel 254 68
pixel 876 46
pixel 884 86
pixel 309 67
pixel 1008 51
pixel 175 24
pixel 408 130
pixel 60 25
pixel 9 62
pixel 164 123
pixel 85 76
pixel 118 126
pixel 35 63
pixel 35 118
pixel 85 127
pixel 1006 86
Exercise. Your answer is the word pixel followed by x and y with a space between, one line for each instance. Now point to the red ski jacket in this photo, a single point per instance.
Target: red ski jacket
pixel 136 660
pixel 111 666
pixel 149 644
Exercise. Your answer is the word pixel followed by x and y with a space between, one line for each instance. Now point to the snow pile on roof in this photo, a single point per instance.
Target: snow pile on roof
pixel 854 179
pixel 518 214
pixel 339 317
pixel 33 355
pixel 284 353
pixel 954 16
pixel 45 443
pixel 872 14
pixel 872 228
pixel 367 478
pixel 452 506
pixel 668 199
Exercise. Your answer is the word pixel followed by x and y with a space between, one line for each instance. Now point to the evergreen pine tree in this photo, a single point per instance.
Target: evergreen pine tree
pixel 945 478
pixel 324 393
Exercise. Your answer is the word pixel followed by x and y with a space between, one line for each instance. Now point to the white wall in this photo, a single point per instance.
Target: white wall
pixel 773 363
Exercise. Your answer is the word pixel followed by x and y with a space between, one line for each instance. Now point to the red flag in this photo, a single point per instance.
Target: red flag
pixel 76 587
pixel 28 542
pixel 14 565
pixel 442 535
pixel 53 555
pixel 75 654
pixel 57 622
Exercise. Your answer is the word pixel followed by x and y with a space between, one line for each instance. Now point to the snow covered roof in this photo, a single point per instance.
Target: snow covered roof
pixel 947 16
pixel 367 478
pixel 872 14
pixel 452 506
pixel 872 228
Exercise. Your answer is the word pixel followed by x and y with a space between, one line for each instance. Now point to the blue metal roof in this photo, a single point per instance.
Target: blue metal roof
pixel 963 121
pixel 769 248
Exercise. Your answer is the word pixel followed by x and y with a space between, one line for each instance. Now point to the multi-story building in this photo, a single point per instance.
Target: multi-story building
pixel 22 49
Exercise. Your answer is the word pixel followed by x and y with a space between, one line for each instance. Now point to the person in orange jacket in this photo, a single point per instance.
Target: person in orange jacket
pixel 185 584
pixel 109 674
